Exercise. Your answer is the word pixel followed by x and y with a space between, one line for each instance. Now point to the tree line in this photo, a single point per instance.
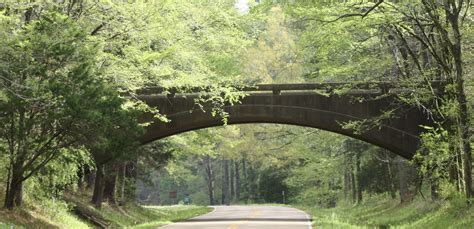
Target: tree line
pixel 66 65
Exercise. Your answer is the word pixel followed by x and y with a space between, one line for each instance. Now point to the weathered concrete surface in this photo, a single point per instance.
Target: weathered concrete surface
pixel 304 108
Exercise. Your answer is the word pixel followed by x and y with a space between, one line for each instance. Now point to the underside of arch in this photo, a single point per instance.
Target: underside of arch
pixel 387 135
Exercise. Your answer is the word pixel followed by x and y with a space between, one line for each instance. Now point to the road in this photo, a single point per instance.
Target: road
pixel 246 217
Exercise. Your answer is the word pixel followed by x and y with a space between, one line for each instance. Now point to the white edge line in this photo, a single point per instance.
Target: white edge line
pixel 213 210
pixel 310 222
pixel 310 225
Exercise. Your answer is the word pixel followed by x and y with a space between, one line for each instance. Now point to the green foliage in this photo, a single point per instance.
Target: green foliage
pixel 380 212
pixel 59 175
pixel 274 57
pixel 64 64
pixel 434 152
pixel 56 100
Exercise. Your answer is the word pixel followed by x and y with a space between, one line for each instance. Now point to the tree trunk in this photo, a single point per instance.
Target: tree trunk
pixel 231 181
pixel 237 180
pixel 90 178
pixel 246 179
pixel 391 178
pixel 14 196
pixel 403 180
pixel 464 122
pixel 434 189
pixel 122 182
pixel 210 179
pixel 353 185
pixel 252 180
pixel 158 188
pixel 110 181
pixel 225 183
pixel 81 178
pixel 359 179
pixel 98 187
pixel 19 195
pixel 346 183
pixel 131 173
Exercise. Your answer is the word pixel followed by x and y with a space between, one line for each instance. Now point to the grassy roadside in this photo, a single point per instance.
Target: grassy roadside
pixel 134 215
pixel 65 214
pixel 384 213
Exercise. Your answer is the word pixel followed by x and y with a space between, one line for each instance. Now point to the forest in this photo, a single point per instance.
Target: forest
pixel 71 117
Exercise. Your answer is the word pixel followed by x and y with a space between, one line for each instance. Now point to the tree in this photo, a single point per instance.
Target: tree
pixel 412 44
pixel 52 93
pixel 274 57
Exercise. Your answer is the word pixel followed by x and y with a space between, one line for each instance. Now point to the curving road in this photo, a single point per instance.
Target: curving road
pixel 247 217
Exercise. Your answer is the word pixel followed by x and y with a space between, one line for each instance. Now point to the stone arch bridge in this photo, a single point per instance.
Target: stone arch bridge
pixel 296 104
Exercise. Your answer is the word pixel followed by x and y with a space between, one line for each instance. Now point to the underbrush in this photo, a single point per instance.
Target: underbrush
pixel 383 212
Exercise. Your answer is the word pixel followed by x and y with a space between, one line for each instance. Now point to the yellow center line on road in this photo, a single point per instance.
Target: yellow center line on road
pixel 255 213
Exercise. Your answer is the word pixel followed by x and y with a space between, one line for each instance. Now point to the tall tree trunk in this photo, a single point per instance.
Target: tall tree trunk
pixel 237 180
pixel 347 184
pixel 225 184
pixel 434 189
pixel 98 193
pixel 252 183
pixel 359 179
pixel 14 196
pixel 246 179
pixel 110 181
pixel 231 181
pixel 403 180
pixel 89 177
pixel 19 195
pixel 353 185
pixel 122 181
pixel 454 18
pixel 131 173
pixel 210 179
pixel 81 178
pixel 391 178
pixel 158 188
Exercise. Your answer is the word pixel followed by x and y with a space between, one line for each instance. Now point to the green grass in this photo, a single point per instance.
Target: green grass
pixel 136 216
pixel 384 212
pixel 39 218
pixel 46 213
pixel 58 214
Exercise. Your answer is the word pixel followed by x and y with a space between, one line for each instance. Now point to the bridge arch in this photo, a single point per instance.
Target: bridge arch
pixel 302 108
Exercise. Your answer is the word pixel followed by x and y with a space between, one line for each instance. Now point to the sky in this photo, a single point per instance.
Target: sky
pixel 242 6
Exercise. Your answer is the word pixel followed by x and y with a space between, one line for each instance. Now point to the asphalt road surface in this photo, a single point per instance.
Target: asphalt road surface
pixel 246 217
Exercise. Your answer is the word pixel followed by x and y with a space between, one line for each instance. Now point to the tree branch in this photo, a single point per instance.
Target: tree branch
pixel 362 15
